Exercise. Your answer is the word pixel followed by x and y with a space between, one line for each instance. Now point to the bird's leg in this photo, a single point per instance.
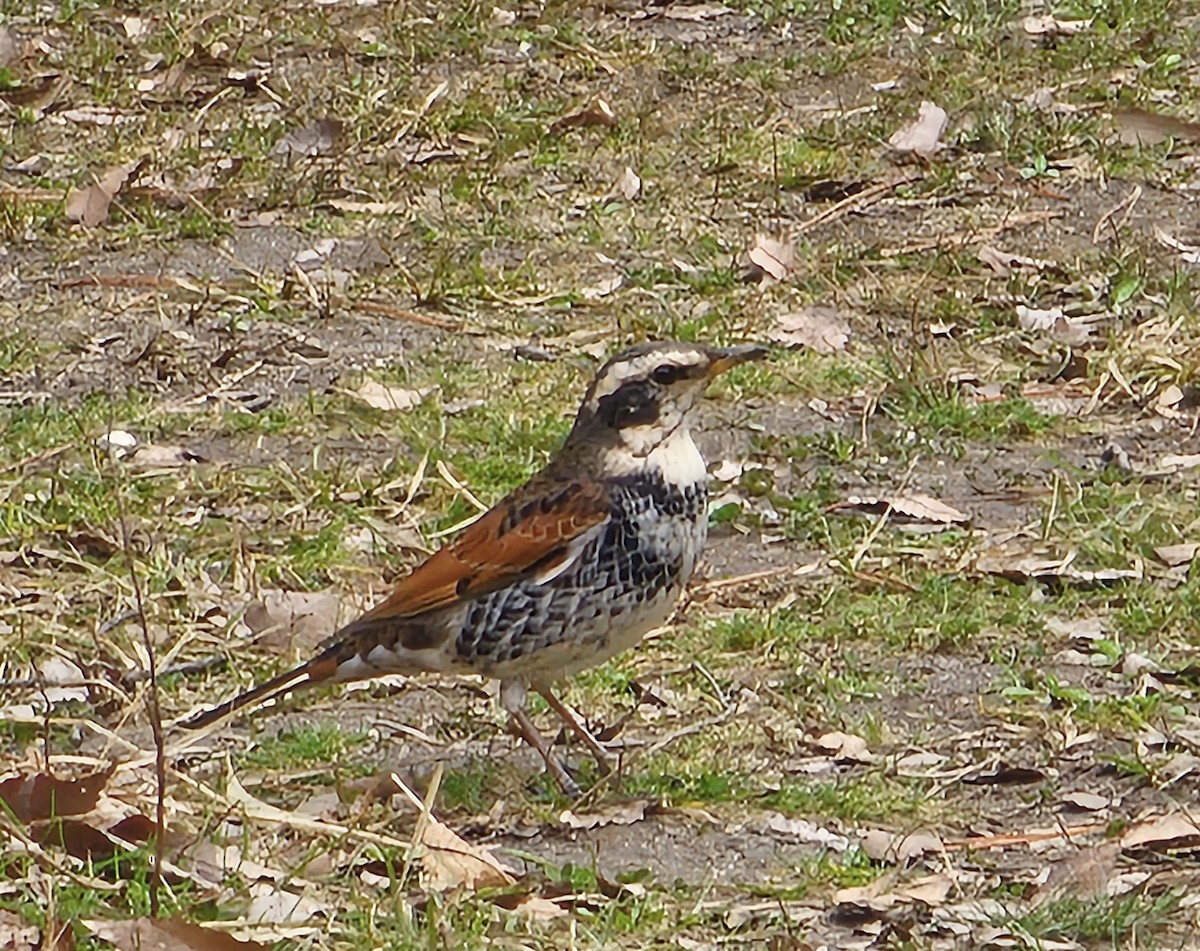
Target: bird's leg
pixel 512 698
pixel 571 719
pixel 530 734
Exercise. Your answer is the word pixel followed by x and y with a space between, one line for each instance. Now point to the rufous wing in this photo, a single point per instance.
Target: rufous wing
pixel 530 534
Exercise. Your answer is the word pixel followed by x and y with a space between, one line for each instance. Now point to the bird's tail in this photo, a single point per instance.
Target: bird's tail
pixel 320 668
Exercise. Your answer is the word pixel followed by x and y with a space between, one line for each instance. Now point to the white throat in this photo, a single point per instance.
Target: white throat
pixel 676 459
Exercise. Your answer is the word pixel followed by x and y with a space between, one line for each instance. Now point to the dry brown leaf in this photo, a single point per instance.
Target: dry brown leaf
pixel 165 934
pixel 89 205
pixel 272 905
pixel 1055 323
pixel 695 11
pixel 534 907
pixel 162 457
pixel 1176 830
pixel 393 399
pixel 1175 555
pixel 599 113
pixel 352 207
pixel 1173 461
pixel 1085 801
pixel 298 620
pixel 922 137
pixel 771 259
pixel 845 747
pixel 1048 26
pixel 449 861
pixel 1190 253
pixel 36 797
pixel 614 814
pixel 1002 774
pixel 63 679
pixel 629 185
pixel 1005 262
pixel 818 327
pixel 899 848
pixel 16 934
pixel 316 138
pixel 917 506
pixel 929 890
pixel 1141 127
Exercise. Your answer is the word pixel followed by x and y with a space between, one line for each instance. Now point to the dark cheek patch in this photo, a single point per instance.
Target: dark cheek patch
pixel 634 404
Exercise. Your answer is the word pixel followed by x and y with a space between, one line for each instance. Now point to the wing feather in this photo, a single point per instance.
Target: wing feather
pixel 527 535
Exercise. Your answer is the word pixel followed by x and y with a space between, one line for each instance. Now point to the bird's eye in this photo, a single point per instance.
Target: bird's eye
pixel 667 374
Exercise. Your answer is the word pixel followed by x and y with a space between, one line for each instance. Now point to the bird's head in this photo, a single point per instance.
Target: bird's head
pixel 644 396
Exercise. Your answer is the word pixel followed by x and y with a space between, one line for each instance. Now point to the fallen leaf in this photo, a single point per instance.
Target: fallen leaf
pixel 162 457
pixel 1048 26
pixel 1054 322
pixel 802 830
pixel 695 11
pixel 165 934
pixel 922 136
pixel 917 506
pixel 1005 262
pixel 599 113
pixel 1190 253
pixel 602 289
pixel 311 140
pixel 1175 830
pixel 771 260
pixel 898 848
pixel 534 908
pixel 1174 555
pixel 37 797
pixel 1141 127
pixel 615 814
pixel 1085 801
pixel 449 861
pixel 350 206
pixel 929 890
pixel 287 620
pixel 1005 775
pixel 270 904
pixel 845 747
pixel 820 328
pixel 63 680
pixel 395 399
pixel 1173 461
pixel 89 205
pixel 628 186
pixel 16 934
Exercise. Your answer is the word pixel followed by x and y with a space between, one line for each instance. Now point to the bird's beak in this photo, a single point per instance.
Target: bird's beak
pixel 725 358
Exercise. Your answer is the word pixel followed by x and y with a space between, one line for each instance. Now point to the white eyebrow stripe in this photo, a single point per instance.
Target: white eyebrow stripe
pixel 618 374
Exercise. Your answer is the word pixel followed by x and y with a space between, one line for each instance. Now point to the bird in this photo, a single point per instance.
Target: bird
pixel 565 572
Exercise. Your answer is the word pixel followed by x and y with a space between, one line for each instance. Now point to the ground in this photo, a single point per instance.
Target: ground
pixel 291 290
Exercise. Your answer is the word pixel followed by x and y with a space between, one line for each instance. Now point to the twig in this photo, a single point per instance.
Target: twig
pixel 399 313
pixel 1126 206
pixel 857 202
pixel 160 758
pixel 977 842
pixel 36 458
pixel 754 576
